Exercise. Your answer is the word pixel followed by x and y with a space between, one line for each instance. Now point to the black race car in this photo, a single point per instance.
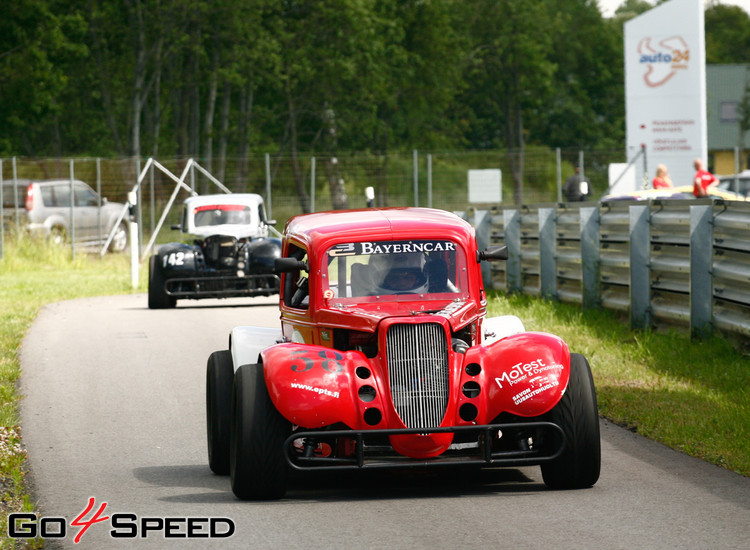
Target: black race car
pixel 231 255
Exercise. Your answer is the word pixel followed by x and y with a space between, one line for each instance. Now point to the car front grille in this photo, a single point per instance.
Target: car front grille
pixel 417 357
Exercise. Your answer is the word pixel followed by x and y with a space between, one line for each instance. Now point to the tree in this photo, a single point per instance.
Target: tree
pixel 727 34
pixel 632 8
pixel 509 72
pixel 32 38
pixel 587 107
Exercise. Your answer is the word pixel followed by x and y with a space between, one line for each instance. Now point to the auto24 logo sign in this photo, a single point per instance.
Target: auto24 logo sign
pixel 121 526
pixel 663 59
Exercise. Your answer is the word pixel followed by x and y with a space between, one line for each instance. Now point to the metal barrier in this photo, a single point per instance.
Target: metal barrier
pixel 679 262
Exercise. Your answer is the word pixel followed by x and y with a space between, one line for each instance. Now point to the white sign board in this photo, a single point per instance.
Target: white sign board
pixel 665 87
pixel 622 179
pixel 485 186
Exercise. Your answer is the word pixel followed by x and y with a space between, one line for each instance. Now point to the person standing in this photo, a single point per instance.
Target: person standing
pixel 577 187
pixel 662 179
pixel 703 180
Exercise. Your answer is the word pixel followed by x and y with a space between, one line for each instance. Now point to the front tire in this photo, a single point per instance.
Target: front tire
pixel 219 378
pixel 257 462
pixel 577 414
pixel 157 293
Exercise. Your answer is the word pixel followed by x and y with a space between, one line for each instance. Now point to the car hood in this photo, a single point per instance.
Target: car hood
pixel 367 317
pixel 236 231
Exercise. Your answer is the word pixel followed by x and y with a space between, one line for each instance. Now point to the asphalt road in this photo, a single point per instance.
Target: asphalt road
pixel 114 410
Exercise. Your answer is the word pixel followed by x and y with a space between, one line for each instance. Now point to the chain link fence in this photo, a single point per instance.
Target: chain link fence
pixel 293 185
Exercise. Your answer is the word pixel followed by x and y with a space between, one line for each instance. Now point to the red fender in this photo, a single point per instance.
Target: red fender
pixel 524 374
pixel 315 386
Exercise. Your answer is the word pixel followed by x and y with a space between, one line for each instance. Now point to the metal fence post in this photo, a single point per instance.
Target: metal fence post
pixel 99 199
pixel 72 213
pixel 558 163
pixel 548 252
pixel 580 164
pixel 640 272
pixel 512 225
pixel 415 161
pixel 701 264
pixel 16 208
pixel 139 209
pixel 312 184
pixel 152 202
pixel 429 181
pixel 482 220
pixel 590 265
pixel 268 187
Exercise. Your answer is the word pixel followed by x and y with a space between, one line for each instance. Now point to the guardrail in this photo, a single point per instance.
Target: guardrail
pixel 679 262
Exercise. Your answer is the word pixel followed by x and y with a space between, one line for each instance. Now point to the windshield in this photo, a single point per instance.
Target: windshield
pixel 743 185
pixel 221 214
pixel 392 270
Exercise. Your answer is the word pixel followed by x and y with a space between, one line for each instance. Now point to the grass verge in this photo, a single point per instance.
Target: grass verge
pixel 690 395
pixel 31 275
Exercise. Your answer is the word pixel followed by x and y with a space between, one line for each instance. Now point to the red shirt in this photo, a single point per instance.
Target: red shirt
pixel 659 183
pixel 706 177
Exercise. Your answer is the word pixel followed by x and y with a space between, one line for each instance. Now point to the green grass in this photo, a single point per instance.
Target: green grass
pixel 32 275
pixel 692 396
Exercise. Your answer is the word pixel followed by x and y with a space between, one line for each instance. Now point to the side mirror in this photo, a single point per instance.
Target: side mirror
pixel 494 253
pixel 288 265
pixel 270 222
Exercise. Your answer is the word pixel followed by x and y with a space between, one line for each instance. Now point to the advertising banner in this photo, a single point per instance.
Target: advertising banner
pixel 665 88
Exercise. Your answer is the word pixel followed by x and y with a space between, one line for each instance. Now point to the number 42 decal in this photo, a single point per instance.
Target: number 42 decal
pixel 174 258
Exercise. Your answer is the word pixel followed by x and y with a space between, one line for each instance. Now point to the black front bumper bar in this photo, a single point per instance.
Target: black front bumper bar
pixel 218 286
pixel 482 455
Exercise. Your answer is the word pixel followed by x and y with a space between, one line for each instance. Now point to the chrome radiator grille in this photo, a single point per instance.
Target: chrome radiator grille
pixel 417 357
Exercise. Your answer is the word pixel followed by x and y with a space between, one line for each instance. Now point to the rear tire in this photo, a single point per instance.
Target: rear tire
pixel 58 236
pixel 580 463
pixel 120 239
pixel 219 378
pixel 157 293
pixel 257 462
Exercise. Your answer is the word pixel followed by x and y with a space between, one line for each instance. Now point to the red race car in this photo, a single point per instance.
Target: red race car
pixel 385 359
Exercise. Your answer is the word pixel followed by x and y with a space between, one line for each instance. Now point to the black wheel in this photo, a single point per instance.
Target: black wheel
pixel 58 236
pixel 257 463
pixel 219 377
pixel 157 294
pixel 120 239
pixel 577 414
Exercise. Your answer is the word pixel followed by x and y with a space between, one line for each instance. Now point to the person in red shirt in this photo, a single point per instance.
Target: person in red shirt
pixel 662 179
pixel 703 180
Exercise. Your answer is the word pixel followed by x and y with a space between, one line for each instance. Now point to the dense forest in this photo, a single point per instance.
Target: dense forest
pixel 223 78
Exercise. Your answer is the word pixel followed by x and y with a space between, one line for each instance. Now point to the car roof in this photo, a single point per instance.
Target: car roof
pixel 9 181
pixel 742 175
pixel 250 199
pixel 27 181
pixel 321 229
pixel 55 181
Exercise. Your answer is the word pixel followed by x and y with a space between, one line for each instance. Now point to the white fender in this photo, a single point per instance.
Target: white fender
pixel 495 328
pixel 248 342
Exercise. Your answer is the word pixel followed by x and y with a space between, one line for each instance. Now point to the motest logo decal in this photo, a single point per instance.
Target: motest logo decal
pixel 662 60
pixel 121 526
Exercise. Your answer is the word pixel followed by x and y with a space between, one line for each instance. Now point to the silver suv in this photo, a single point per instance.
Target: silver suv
pixel 44 208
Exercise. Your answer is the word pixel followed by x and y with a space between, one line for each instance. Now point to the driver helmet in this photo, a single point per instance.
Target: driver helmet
pixel 395 273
